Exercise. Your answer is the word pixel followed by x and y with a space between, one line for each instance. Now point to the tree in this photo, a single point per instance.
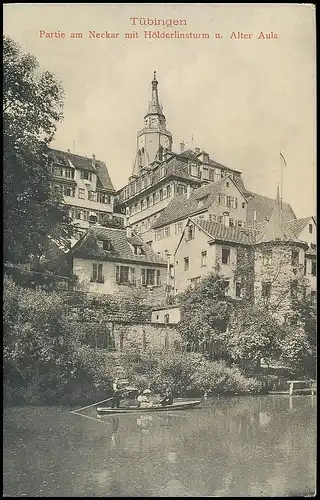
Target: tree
pixel 32 107
pixel 252 334
pixel 205 310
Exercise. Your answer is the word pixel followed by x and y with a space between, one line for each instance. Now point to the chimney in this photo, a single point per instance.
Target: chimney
pixel 226 219
pixel 188 190
pixel 197 150
pixel 93 160
pixel 182 146
pixel 68 150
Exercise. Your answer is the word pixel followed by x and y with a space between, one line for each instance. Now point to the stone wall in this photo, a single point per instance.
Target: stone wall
pixel 146 335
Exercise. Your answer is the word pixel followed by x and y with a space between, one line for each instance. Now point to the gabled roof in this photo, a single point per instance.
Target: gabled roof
pixel 181 206
pixel 87 247
pixel 81 162
pixel 297 225
pixel 229 234
pixel 277 228
pixel 263 207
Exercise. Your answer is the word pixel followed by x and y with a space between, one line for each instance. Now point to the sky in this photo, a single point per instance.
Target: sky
pixel 242 100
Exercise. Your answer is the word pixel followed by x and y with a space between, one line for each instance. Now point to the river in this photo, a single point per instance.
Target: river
pixel 230 446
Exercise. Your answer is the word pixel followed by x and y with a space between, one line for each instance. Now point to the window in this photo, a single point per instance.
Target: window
pixel 161 194
pixel 81 194
pixel 267 257
pixel 190 232
pixel 217 175
pixel 125 275
pixel 231 222
pixel 294 258
pixel 186 263
pixel 69 173
pixel 97 273
pixel 203 258
pixel 167 231
pixel 205 173
pixel 266 289
pixel 211 175
pixel 220 219
pixel 212 217
pixel 92 195
pixel 227 184
pixel 240 223
pixel 166 318
pixel 69 191
pixel 226 284
pixel 225 255
pixel 86 175
pixel 310 228
pixel 243 205
pixel 222 199
pixel 102 198
pixel 178 228
pixel 194 170
pixel 168 191
pixel 148 201
pixel 238 290
pixel 150 277
pixel 58 171
pixel 162 171
pixel 106 245
pixel 313 268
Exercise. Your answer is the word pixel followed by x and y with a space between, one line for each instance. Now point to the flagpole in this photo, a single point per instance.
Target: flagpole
pixel 283 163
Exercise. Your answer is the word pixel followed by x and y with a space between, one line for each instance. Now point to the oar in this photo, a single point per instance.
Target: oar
pixel 98 403
pixel 89 406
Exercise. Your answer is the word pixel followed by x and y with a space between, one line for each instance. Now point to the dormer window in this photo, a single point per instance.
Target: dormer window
pixel 194 170
pixel 162 172
pixel 205 158
pixel 190 232
pixel 84 174
pixel 137 250
pixel 201 201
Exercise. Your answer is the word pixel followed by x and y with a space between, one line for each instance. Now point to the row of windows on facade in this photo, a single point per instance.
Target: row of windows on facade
pixel 225 285
pixel 166 232
pixel 195 170
pixel 69 173
pixel 267 259
pixel 83 214
pixel 225 258
pixel 92 195
pixel 126 275
pixel 156 197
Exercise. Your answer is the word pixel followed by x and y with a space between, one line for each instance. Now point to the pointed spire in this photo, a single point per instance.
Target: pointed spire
pixel 277 228
pixel 154 105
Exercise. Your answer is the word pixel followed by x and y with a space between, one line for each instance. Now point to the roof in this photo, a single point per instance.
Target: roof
pixel 84 163
pixel 181 206
pixel 87 247
pixel 263 207
pixel 223 233
pixel 277 228
pixel 297 225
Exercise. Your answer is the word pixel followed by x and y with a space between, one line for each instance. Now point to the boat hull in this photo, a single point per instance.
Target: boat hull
pixel 175 406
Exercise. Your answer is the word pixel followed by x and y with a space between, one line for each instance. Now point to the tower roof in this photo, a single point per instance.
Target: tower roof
pixel 154 105
pixel 277 228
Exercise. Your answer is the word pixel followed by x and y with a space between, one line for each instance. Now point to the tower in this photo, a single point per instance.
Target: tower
pixel 154 139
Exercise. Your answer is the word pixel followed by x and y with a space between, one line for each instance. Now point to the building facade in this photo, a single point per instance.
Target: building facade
pixel 85 185
pixel 266 263
pixel 109 260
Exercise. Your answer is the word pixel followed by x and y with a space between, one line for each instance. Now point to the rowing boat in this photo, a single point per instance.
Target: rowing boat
pixel 179 405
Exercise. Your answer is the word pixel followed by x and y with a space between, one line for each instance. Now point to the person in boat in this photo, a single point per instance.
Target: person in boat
pixel 167 398
pixel 144 399
pixel 116 394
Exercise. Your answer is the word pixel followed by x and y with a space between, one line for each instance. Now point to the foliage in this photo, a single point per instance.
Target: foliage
pixel 45 349
pixel 205 309
pixel 217 378
pixel 185 373
pixel 32 106
pixel 252 334
pixel 296 350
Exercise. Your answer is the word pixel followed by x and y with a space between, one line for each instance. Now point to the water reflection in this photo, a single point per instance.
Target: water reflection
pixel 230 447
